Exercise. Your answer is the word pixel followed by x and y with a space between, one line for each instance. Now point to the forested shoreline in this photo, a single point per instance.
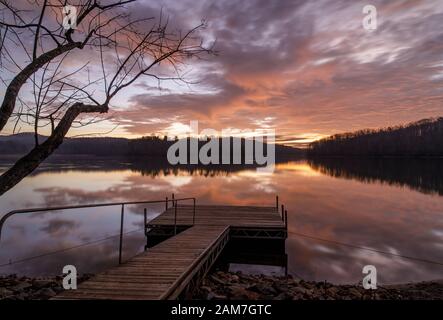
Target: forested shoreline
pixel 417 139
pixel 108 146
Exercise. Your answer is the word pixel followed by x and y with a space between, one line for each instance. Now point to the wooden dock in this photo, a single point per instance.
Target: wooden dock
pixel 192 238
pixel 208 215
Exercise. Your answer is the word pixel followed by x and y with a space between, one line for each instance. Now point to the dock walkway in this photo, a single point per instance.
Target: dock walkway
pixel 172 268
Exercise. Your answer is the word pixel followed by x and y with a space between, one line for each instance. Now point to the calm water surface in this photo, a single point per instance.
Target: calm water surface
pixel 394 206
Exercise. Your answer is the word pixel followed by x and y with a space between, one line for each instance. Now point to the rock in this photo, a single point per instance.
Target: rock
pixel 293 281
pixel 279 287
pixel 355 293
pixel 240 293
pixel 42 283
pixel 300 290
pixel 217 280
pixel 263 289
pixel 4 293
pixel 205 291
pixel 213 296
pixel 46 293
pixel 21 296
pixel 332 291
pixel 228 285
pixel 308 285
pixel 236 288
pixel 26 288
pixel 58 289
pixel 206 288
pixel 21 286
pixel 283 296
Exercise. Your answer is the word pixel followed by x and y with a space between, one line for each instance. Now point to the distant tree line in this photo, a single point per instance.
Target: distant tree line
pixel 158 146
pixel 155 146
pixel 422 138
pixel 150 145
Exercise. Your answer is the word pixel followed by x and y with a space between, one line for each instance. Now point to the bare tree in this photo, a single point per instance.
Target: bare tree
pixel 120 51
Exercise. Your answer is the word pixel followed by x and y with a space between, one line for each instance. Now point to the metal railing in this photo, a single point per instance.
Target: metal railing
pixel 175 206
pixel 110 204
pixel 283 213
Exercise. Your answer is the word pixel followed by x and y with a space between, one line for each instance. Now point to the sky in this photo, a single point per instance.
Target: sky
pixel 307 69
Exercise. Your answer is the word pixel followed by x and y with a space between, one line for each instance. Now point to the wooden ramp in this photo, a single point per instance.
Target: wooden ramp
pixel 164 272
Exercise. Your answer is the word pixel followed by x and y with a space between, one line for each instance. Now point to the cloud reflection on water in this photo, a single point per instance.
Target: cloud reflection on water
pixel 367 212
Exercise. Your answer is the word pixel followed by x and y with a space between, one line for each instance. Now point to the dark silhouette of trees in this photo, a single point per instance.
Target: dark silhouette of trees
pixel 157 146
pixel 422 138
pixel 36 48
pixel 149 146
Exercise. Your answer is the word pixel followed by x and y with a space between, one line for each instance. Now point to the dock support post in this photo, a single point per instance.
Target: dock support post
pixel 145 218
pixel 175 217
pixel 145 221
pixel 121 235
pixel 193 215
pixel 286 269
pixel 282 213
pixel 286 220
pixel 276 202
pixel 173 202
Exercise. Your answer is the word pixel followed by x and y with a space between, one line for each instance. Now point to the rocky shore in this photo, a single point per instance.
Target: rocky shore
pixel 238 286
pixel 13 287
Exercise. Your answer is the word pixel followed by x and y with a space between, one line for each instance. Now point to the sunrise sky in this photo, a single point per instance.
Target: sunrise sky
pixel 306 68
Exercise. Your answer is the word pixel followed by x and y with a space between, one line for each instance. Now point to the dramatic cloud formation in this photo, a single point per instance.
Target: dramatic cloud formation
pixel 306 68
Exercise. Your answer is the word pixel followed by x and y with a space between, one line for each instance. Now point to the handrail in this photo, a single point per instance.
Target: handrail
pixel 109 204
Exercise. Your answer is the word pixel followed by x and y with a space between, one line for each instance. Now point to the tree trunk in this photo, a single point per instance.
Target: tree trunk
pixel 36 156
pixel 19 80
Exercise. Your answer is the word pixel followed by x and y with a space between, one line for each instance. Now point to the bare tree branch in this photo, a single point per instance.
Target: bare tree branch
pixel 65 98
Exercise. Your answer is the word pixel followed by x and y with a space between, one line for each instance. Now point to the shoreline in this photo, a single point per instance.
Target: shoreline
pixel 239 286
pixel 13 287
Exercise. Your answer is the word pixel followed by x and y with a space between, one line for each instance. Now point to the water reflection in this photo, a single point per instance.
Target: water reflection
pixel 363 204
pixel 424 175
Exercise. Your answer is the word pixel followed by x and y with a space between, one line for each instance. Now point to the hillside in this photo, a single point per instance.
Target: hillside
pixel 421 138
pixel 147 146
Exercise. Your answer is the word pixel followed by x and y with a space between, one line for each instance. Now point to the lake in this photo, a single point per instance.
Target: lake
pixel 335 206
